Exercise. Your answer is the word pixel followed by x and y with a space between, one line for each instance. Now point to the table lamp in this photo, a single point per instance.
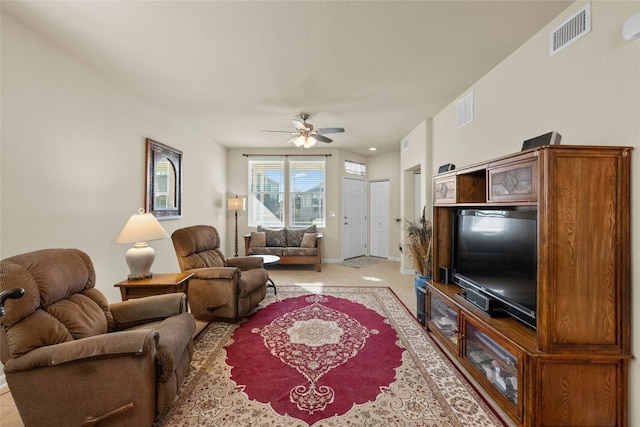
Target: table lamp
pixel 140 229
pixel 235 204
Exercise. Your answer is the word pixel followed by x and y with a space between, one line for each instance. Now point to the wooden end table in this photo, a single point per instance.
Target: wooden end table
pixel 162 283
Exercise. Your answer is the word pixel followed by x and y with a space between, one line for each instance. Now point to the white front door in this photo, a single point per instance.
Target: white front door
pixel 354 210
pixel 379 219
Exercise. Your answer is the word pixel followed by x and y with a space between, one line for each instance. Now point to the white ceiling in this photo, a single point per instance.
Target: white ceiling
pixel 235 68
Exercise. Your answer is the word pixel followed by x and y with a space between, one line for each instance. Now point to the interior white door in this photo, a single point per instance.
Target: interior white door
pixel 379 219
pixel 354 209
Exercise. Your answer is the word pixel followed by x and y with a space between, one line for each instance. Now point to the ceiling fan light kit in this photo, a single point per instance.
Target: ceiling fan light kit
pixel 304 141
pixel 305 134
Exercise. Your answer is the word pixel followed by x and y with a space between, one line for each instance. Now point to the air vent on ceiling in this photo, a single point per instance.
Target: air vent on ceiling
pixel 575 27
pixel 465 110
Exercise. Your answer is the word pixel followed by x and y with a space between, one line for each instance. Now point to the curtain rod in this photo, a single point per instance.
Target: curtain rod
pixel 286 155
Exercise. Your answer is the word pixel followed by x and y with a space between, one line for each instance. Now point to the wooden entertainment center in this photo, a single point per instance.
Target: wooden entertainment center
pixel 572 370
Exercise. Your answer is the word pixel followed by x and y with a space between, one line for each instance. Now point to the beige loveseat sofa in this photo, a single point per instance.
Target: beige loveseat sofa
pixel 293 246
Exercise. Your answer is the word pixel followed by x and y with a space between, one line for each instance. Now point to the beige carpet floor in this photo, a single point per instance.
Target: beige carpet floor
pixel 385 273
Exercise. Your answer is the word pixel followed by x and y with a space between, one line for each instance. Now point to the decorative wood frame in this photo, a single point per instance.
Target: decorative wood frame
pixel 158 152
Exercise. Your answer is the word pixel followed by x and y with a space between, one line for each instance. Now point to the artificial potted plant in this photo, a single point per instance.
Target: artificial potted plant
pixel 418 245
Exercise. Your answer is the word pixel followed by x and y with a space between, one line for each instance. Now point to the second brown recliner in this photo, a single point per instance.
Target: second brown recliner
pixel 221 288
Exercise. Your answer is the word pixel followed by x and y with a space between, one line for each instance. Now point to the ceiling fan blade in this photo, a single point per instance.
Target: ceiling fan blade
pixel 299 124
pixel 280 131
pixel 321 138
pixel 290 140
pixel 330 130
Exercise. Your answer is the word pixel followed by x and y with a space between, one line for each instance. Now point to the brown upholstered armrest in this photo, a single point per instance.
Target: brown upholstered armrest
pixel 247 242
pixel 117 344
pixel 214 273
pixel 245 262
pixel 142 310
pixel 175 334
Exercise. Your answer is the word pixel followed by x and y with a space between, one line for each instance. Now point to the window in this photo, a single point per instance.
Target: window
pixel 266 192
pixel 306 192
pixel 355 168
pixel 300 193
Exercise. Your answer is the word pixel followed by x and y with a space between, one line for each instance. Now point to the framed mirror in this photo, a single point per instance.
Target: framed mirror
pixel 163 195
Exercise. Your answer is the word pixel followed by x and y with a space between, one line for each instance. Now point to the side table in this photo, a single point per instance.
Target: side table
pixel 163 283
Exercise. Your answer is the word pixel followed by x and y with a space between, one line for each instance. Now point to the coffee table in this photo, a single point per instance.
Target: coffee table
pixel 270 260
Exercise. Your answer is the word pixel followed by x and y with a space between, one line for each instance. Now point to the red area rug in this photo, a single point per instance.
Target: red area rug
pixel 314 356
pixel 325 356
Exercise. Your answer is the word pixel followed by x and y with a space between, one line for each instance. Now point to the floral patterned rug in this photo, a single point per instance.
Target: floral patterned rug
pixel 325 356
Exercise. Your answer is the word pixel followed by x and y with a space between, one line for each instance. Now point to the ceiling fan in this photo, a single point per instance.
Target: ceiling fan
pixel 305 134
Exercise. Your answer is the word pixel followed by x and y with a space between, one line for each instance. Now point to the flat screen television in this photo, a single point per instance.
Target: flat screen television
pixel 495 260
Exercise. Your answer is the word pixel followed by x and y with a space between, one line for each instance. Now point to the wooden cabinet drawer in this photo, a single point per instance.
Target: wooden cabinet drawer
pixel 513 183
pixel 565 387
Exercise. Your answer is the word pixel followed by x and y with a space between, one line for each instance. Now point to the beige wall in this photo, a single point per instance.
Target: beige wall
pixel 415 156
pixel 73 159
pixel 590 93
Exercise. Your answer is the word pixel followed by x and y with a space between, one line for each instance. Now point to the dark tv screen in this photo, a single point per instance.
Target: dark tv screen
pixel 495 251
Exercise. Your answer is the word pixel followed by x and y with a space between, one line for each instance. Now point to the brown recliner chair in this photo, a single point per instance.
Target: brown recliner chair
pixel 72 359
pixel 221 288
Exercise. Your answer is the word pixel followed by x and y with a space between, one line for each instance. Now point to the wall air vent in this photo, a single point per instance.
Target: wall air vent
pixel 571 30
pixel 465 110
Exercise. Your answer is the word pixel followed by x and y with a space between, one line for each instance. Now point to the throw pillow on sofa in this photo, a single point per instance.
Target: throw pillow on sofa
pixel 274 237
pixel 308 240
pixel 258 239
pixel 294 236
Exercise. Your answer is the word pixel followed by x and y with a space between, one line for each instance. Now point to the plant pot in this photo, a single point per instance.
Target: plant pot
pixel 421 281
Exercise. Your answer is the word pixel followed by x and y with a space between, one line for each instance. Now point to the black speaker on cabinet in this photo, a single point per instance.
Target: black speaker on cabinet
pixel 551 138
pixel 446 168
pixel 443 275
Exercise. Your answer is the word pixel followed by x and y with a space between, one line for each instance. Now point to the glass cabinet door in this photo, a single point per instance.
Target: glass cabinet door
pixel 495 363
pixel 443 319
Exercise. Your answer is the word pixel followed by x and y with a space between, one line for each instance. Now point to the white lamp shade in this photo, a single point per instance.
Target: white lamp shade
pixel 142 227
pixel 235 204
